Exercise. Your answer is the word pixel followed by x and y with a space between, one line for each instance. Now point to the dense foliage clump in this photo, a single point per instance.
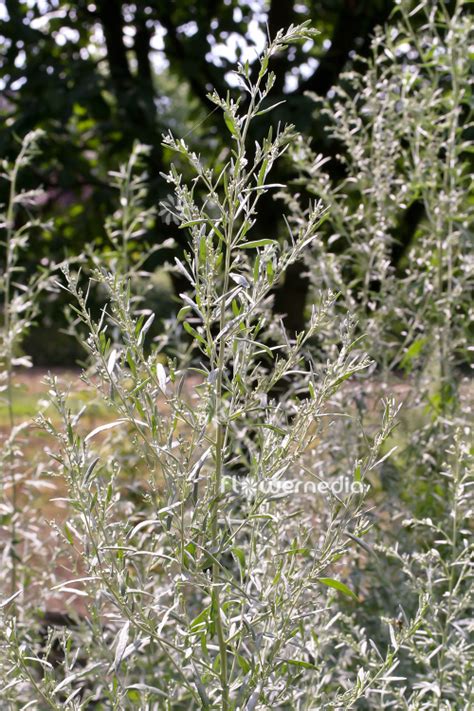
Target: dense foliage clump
pixel 239 516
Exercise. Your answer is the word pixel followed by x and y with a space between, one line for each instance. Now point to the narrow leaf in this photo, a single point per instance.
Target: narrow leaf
pixel 337 585
pixel 122 641
pixel 256 243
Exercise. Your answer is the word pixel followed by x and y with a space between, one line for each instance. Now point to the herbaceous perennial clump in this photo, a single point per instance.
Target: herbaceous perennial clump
pixel 190 584
pixel 406 127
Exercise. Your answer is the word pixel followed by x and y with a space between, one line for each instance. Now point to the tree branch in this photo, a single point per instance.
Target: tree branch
pixel 110 15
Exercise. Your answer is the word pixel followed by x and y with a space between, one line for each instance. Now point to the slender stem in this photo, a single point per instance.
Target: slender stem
pixel 218 481
pixel 452 581
pixel 125 197
pixel 43 695
pixel 445 233
pixel 9 266
pixel 221 428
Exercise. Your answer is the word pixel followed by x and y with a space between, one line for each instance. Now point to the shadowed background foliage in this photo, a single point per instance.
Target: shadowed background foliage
pixel 98 76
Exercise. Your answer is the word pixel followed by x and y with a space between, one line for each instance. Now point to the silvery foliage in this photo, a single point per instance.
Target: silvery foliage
pixel 127 227
pixel 196 597
pixel 21 548
pixel 405 124
pixel 128 251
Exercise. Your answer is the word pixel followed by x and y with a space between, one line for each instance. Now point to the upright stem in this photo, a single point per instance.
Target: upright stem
pixel 452 575
pixel 125 196
pixel 449 188
pixel 218 481
pixel 446 229
pixel 9 265
pixel 220 433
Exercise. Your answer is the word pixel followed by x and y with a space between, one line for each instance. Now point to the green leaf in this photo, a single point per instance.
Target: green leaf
pixel 235 308
pixel 230 123
pixel 240 555
pixel 357 473
pixel 218 233
pixel 89 471
pixel 300 663
pixel 256 243
pixel 133 696
pixel 183 312
pixel 263 66
pixel 270 272
pixel 201 620
pixel 256 268
pixel 68 534
pixel 411 354
pixel 192 332
pixel 262 172
pixel 147 689
pixel 273 428
pixel 191 223
pixel 337 585
pixel 270 108
pixel 243 664
pixel 131 363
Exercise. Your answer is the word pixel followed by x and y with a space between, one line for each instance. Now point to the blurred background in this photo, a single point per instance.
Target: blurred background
pixel 99 76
